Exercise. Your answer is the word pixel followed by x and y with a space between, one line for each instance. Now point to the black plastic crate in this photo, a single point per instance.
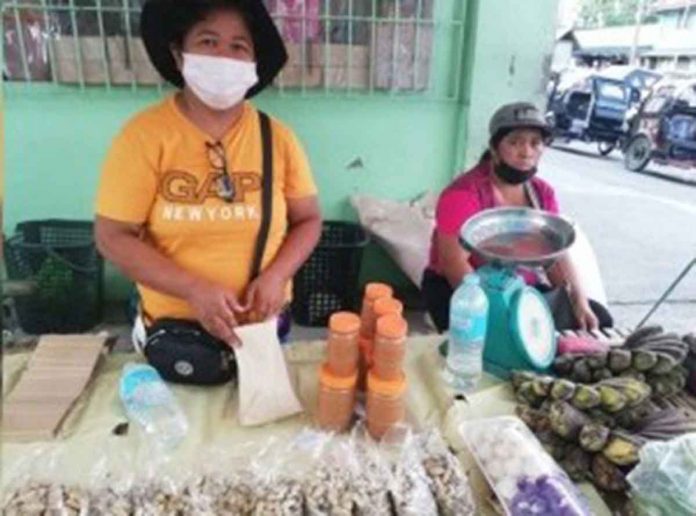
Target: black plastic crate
pixel 328 281
pixel 61 260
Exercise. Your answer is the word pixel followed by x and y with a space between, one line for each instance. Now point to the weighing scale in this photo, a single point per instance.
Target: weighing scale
pixel 521 333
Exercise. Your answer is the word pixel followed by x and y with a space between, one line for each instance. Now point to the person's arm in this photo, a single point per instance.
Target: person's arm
pixel 453 259
pixel 266 294
pixel 215 306
pixel 563 274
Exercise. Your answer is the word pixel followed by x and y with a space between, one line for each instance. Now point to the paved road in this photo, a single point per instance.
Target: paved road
pixel 642 228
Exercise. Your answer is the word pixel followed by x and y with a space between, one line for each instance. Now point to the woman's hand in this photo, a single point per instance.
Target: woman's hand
pixel 586 318
pixel 265 296
pixel 217 309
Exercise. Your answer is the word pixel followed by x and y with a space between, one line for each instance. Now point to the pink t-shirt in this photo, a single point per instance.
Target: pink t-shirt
pixel 470 194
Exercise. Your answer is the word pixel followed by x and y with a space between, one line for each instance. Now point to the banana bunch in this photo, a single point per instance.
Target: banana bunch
pixel 611 395
pixel 649 355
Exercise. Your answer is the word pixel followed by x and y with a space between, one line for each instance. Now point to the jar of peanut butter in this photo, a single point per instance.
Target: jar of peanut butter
pixel 389 348
pixel 342 344
pixel 373 291
pixel 386 404
pixel 336 400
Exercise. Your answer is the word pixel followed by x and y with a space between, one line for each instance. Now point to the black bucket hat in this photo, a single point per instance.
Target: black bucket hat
pixel 160 18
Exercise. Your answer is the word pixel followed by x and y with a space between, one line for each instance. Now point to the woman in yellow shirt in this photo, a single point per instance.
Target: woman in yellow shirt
pixel 206 203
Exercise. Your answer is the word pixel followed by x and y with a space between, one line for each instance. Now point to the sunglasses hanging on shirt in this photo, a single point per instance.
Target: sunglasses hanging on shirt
pixel 217 159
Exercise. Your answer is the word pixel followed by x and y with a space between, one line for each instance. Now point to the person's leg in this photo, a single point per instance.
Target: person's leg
pixel 437 293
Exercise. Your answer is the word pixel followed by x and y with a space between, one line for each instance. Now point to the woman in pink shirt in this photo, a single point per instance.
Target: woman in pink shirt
pixel 505 176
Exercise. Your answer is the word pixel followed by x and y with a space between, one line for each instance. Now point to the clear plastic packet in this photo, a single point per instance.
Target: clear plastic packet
pixel 409 486
pixel 225 478
pixel 522 474
pixel 42 483
pixel 371 475
pixel 328 489
pixel 664 481
pixel 280 470
pixel 448 480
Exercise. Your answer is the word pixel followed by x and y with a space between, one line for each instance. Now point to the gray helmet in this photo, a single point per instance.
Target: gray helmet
pixel 517 115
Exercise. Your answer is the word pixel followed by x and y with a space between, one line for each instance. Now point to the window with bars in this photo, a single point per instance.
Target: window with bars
pixel 350 46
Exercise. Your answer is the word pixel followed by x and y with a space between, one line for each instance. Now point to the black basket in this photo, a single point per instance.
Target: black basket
pixel 61 259
pixel 328 281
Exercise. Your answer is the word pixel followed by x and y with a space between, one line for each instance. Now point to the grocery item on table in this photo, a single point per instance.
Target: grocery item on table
pixel 522 474
pixel 386 404
pixel 580 344
pixel 342 344
pixel 467 334
pixel 387 306
pixel 259 358
pixel 664 482
pixel 389 349
pixel 649 354
pixel 149 402
pixel 373 291
pixel 336 400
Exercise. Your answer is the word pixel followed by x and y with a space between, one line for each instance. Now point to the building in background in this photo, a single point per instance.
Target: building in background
pixel 669 44
pixel 675 49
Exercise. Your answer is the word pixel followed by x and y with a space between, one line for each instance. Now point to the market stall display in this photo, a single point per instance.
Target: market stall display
pixel 604 407
pixel 520 325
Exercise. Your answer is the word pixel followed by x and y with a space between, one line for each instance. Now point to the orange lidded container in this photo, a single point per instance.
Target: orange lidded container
pixel 389 348
pixel 386 404
pixel 365 361
pixel 373 291
pixel 387 306
pixel 342 345
pixel 336 400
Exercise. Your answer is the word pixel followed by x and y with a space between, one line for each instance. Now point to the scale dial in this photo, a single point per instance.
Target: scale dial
pixel 532 327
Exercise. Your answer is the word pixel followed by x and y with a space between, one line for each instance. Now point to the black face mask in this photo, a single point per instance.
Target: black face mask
pixel 512 175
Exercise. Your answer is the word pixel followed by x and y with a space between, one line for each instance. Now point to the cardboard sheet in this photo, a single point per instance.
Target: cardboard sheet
pixel 57 372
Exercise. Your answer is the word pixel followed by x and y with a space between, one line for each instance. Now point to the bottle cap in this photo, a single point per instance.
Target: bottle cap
pixel 391 388
pixel 472 279
pixel 375 290
pixel 328 379
pixel 392 326
pixel 344 322
pixel 387 305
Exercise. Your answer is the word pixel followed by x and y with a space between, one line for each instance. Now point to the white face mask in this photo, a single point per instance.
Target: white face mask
pixel 219 82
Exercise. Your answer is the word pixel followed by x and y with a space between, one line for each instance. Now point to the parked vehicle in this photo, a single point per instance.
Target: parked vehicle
pixel 664 129
pixel 593 109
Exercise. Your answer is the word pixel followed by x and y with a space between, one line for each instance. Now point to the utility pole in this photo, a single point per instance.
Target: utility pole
pixel 636 35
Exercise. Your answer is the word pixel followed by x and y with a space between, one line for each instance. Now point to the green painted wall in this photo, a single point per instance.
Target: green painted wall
pixel 509 60
pixel 56 137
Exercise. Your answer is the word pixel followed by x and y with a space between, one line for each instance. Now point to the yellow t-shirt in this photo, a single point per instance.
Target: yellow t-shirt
pixel 158 173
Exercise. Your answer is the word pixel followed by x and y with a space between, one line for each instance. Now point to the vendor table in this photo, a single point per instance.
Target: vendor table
pixel 87 440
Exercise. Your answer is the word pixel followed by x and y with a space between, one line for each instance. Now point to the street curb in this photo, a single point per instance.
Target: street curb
pixel 671 176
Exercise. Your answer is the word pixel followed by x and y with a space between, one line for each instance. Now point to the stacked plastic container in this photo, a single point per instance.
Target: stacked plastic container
pixel 339 373
pixel 382 344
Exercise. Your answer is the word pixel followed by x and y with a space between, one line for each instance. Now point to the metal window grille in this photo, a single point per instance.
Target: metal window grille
pixel 335 47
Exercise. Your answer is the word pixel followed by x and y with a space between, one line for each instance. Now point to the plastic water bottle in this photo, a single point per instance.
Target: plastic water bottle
pixel 149 402
pixel 467 334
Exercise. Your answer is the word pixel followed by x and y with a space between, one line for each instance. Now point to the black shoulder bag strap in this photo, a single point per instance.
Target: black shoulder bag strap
pixel 266 193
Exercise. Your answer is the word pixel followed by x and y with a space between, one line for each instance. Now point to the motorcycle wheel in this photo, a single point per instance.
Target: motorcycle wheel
pixel 637 155
pixel 605 148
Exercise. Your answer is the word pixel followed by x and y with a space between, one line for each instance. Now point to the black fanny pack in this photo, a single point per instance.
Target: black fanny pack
pixel 181 350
